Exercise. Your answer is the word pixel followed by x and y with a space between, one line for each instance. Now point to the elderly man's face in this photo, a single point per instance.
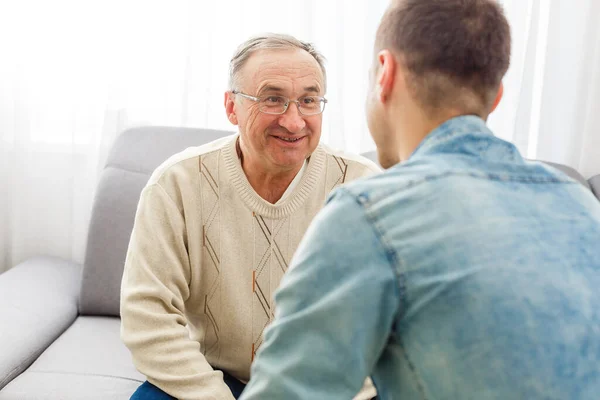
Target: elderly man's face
pixel 279 141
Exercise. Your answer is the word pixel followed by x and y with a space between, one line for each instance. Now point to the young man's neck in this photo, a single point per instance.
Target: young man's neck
pixel 412 130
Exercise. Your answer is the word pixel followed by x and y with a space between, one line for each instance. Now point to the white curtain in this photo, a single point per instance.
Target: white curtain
pixel 551 108
pixel 75 73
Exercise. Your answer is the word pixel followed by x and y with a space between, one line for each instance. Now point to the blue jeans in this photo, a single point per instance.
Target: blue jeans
pixel 148 391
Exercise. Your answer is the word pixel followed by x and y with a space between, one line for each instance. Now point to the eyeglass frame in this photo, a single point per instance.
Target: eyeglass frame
pixel 287 103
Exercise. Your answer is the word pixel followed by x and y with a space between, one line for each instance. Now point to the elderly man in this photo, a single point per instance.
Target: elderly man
pixel 465 272
pixel 217 225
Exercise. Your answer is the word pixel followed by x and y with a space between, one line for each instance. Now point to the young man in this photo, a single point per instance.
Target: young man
pixel 465 272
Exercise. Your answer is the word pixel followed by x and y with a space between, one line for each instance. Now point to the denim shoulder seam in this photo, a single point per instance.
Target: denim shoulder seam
pixel 491 177
pixel 413 369
pixel 485 176
pixel 397 265
pixel 390 254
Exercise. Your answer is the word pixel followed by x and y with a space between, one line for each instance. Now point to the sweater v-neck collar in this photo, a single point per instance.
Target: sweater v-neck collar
pixel 257 204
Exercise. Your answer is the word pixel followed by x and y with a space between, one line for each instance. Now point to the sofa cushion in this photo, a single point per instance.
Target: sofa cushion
pixel 88 361
pixel 38 302
pixel 116 201
pixel 134 156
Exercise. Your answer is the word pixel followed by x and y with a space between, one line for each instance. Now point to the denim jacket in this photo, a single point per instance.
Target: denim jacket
pixel 465 272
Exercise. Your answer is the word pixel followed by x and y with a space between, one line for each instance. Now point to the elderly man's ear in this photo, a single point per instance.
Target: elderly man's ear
pixel 230 108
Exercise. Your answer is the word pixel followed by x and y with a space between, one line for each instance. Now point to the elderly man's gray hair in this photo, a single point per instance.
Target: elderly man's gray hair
pixel 269 41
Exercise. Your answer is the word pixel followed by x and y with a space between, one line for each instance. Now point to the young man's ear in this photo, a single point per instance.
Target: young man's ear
pixel 498 97
pixel 230 107
pixel 386 75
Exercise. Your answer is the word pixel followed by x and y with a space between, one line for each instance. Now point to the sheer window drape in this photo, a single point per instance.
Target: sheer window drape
pixel 73 74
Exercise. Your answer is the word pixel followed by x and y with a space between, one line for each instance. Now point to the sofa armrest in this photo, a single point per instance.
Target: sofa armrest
pixel 595 185
pixel 38 302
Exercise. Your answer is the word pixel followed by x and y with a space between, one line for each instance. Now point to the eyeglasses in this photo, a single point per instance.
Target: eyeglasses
pixel 271 104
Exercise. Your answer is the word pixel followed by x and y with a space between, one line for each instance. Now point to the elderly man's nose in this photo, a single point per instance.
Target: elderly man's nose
pixel 292 120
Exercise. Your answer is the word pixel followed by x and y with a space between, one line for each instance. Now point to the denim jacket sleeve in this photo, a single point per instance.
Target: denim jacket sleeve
pixel 334 310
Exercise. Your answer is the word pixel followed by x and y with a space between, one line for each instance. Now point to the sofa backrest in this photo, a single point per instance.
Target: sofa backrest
pixel 134 156
pixel 372 155
pixel 571 172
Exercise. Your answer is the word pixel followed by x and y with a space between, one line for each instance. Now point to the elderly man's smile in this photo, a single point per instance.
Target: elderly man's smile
pixel 289 140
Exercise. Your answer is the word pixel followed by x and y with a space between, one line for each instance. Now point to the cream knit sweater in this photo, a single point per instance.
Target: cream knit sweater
pixel 205 257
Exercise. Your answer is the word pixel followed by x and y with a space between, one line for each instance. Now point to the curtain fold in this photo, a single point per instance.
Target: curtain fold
pixel 74 74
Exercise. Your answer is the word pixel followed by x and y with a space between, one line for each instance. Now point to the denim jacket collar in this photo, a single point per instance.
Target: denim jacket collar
pixel 467 135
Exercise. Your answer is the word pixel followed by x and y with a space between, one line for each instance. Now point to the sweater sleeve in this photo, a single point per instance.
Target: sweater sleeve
pixel 362 169
pixel 153 292
pixel 370 169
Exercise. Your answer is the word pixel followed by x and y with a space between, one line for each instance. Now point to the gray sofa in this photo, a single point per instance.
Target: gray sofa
pixel 59 332
pixel 59 329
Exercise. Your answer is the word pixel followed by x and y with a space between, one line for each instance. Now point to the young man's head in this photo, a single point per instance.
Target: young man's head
pixel 434 60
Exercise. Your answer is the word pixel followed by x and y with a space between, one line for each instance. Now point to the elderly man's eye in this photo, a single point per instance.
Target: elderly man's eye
pixel 309 100
pixel 274 100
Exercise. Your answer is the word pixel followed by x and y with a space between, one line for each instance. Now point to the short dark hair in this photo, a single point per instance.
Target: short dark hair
pixel 455 51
